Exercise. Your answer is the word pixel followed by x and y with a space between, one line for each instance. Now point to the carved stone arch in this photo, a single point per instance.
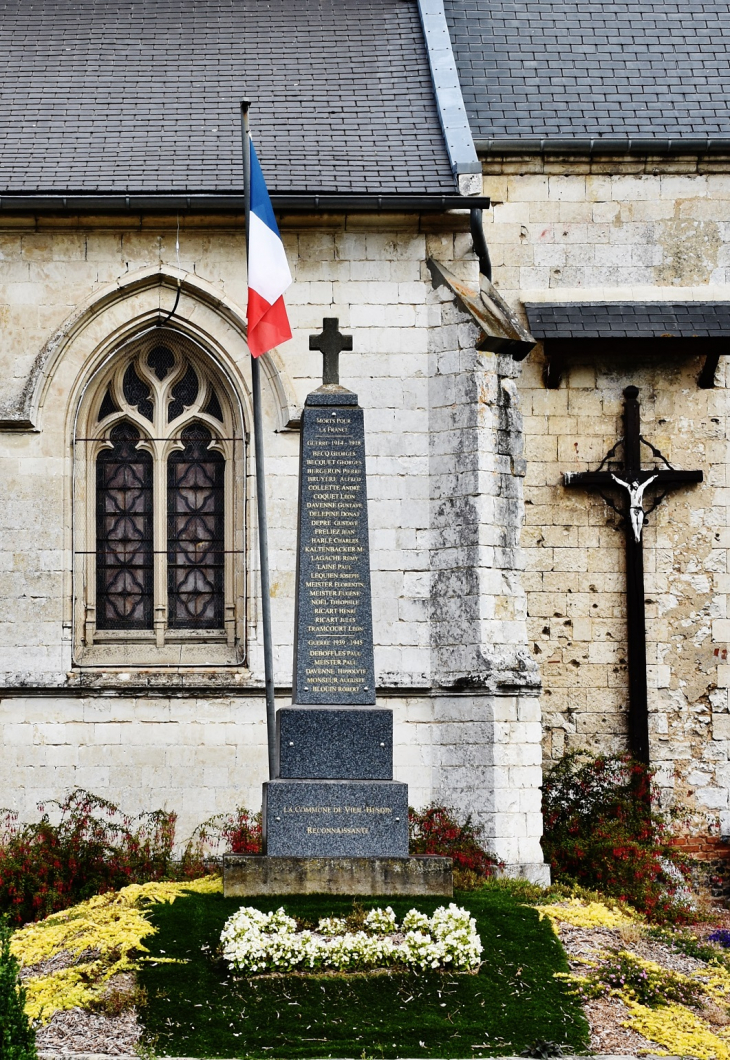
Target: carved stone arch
pixel 126 307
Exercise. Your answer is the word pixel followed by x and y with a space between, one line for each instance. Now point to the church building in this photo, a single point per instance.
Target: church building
pixel 520 214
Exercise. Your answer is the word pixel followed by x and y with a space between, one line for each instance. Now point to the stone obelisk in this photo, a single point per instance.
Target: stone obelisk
pixel 334 819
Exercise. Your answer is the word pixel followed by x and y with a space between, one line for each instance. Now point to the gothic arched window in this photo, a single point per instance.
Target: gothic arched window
pixel 162 577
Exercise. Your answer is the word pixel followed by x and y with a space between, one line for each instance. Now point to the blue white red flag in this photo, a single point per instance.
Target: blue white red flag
pixel 268 270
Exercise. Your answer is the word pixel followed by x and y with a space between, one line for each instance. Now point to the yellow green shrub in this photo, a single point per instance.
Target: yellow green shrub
pixel 108 930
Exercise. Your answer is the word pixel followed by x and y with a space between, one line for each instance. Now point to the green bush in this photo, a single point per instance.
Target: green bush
pixel 604 831
pixel 17 1037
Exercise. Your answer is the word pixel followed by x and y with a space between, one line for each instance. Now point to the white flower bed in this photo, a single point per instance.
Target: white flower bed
pixel 265 942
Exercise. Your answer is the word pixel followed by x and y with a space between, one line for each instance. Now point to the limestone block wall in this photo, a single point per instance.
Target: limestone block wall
pixel 487 718
pixel 443 438
pixel 198 755
pixel 371 276
pixel 571 230
pixel 203 754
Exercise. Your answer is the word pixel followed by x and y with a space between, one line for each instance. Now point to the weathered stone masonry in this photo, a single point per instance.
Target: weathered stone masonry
pixel 595 230
pixel 445 510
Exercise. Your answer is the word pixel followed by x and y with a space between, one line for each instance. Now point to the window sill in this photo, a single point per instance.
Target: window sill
pixel 180 650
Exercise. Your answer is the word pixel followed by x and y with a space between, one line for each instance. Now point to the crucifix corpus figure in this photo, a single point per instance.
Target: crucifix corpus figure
pixel 633 481
pixel 331 342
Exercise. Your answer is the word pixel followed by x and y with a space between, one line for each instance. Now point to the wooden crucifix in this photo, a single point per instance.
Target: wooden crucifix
pixel 331 342
pixel 633 481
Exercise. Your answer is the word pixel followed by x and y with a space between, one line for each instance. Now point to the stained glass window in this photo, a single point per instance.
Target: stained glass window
pixel 213 408
pixel 124 549
pixel 107 406
pixel 195 532
pixel 161 360
pixel 137 393
pixel 165 439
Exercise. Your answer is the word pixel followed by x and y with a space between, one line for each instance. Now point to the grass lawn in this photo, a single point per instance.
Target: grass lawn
pixel 200 1009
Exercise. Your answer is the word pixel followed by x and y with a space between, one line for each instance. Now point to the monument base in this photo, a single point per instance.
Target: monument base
pixel 248 875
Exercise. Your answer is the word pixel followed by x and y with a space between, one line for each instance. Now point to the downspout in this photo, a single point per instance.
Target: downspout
pixel 465 164
pixel 480 242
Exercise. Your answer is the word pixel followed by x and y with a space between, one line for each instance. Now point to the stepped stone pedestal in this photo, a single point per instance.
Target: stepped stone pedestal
pixel 247 876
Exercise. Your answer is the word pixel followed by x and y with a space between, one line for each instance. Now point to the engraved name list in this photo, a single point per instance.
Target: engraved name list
pixel 334 662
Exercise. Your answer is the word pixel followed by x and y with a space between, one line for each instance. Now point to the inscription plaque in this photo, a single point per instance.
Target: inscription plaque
pixel 333 626
pixel 306 818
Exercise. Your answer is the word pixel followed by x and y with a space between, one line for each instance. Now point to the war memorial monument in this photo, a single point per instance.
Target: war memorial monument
pixel 334 819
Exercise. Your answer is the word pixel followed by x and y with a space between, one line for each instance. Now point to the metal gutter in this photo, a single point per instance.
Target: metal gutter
pixel 334 203
pixel 449 100
pixel 592 145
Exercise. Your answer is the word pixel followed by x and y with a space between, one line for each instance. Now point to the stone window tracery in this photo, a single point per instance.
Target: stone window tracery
pixel 160 574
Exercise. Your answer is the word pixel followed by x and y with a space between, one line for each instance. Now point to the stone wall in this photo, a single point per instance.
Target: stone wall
pixel 445 506
pixel 624 230
pixel 203 754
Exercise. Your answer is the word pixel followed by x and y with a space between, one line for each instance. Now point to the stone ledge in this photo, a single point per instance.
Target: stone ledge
pixel 535 872
pixel 248 875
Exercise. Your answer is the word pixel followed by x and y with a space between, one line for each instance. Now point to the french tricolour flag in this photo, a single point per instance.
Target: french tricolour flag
pixel 268 270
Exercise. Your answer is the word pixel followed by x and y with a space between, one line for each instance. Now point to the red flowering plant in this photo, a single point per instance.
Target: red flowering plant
pixel 235 833
pixel 605 831
pixel 84 846
pixel 437 831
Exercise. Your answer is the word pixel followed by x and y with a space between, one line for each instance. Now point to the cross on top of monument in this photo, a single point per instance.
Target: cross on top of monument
pixel 331 342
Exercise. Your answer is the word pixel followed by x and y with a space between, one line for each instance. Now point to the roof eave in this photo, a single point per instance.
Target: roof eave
pixel 74 202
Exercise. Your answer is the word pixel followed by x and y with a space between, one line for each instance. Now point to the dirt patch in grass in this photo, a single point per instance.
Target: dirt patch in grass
pixel 200 1009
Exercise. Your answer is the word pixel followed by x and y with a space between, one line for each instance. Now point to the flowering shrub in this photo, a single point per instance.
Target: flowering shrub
pixel 641 981
pixel 436 830
pixel 332 925
pixel 603 830
pixel 381 921
pixel 238 832
pixel 93 848
pixel 262 942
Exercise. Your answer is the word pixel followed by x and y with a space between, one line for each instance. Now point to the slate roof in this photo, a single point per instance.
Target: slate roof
pixel 143 96
pixel 589 68
pixel 636 320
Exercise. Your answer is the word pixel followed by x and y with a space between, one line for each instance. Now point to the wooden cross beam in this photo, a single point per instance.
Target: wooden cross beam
pixel 633 481
pixel 330 343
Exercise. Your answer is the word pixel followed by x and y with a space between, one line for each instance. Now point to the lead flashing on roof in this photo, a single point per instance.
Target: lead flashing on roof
pixel 603 145
pixel 449 100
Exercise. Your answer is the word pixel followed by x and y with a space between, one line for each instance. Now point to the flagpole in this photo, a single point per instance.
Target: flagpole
pixel 258 434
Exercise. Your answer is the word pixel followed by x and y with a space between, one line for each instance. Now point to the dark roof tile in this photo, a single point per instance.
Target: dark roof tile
pixel 600 320
pixel 143 95
pixel 628 56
